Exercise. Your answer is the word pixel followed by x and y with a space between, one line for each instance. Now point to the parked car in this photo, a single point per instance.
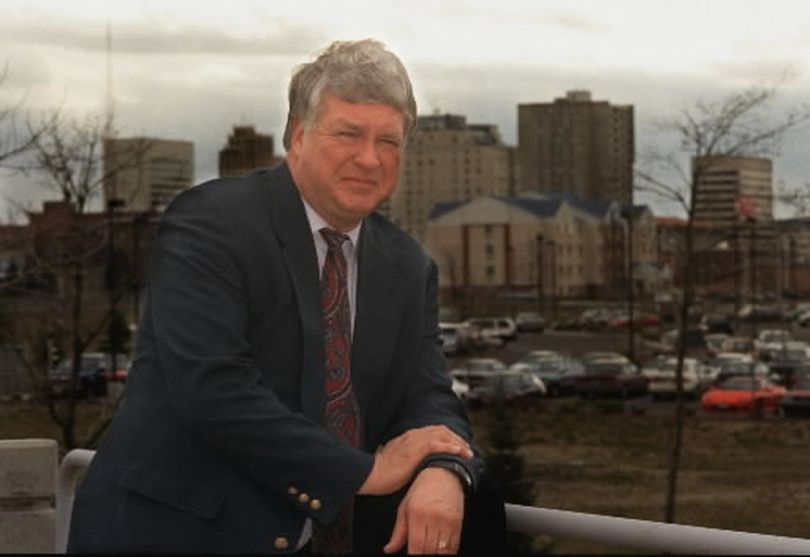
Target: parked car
pixel 661 378
pixel 509 385
pixel 94 374
pixel 460 388
pixel 458 338
pixel 803 319
pixel 710 324
pixel 530 321
pixel 798 310
pixel 728 365
pixel 558 372
pixel 748 394
pixel 764 312
pixel 714 342
pixel 796 401
pixel 622 319
pixel 770 341
pixel 599 355
pixel 503 328
pixel 786 362
pixel 595 318
pixel 610 377
pixel 478 365
pixel 694 339
pixel 738 344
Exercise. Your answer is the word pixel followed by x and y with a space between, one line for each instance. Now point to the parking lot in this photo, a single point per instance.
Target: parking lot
pixel 577 343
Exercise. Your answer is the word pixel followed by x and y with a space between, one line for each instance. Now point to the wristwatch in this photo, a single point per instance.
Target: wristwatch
pixel 461 472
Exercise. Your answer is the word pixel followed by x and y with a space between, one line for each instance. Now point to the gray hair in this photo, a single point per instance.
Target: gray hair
pixel 354 71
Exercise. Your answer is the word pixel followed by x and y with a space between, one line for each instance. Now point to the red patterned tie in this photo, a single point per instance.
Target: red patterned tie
pixel 342 415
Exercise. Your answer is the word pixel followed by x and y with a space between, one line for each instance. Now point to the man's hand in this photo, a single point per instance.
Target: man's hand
pixel 429 517
pixel 396 462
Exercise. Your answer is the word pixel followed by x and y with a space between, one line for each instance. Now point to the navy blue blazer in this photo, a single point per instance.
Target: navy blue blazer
pixel 218 445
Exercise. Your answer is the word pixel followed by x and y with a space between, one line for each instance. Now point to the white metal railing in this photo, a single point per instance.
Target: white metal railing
pixel 648 535
pixel 534 521
pixel 74 463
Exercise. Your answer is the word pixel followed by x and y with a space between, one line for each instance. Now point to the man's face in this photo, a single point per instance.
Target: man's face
pixel 347 163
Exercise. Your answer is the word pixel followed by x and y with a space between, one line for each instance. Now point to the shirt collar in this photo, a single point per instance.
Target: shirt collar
pixel 316 222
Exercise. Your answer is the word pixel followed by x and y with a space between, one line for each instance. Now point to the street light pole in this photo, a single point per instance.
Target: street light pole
pixel 753 260
pixel 112 280
pixel 540 244
pixel 631 329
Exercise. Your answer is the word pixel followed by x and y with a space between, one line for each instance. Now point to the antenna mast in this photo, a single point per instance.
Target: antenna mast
pixel 108 124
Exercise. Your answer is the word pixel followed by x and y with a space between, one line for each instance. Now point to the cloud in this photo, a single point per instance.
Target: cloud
pixel 148 38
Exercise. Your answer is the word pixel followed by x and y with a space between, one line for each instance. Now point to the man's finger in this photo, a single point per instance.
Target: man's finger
pixel 464 450
pixel 418 539
pixel 399 535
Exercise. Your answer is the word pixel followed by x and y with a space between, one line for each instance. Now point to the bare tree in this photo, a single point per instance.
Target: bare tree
pixel 741 124
pixel 17 139
pixel 62 255
pixel 798 198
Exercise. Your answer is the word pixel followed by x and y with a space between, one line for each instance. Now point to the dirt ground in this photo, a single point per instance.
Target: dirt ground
pixel 738 473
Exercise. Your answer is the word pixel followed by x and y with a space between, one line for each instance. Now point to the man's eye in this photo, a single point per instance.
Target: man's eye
pixel 390 142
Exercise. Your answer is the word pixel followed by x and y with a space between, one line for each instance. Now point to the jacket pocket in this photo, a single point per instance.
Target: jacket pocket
pixel 190 489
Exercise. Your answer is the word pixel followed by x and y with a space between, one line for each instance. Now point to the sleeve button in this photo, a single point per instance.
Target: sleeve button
pixel 292 490
pixel 281 543
pixel 304 498
pixel 315 504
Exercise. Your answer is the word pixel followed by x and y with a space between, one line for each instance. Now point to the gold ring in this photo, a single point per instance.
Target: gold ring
pixel 442 544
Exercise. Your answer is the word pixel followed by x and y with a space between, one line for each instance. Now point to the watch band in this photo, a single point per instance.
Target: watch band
pixel 461 472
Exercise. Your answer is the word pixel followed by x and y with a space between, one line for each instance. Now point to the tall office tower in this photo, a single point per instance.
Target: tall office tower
pixel 578 146
pixel 246 151
pixel 146 173
pixel 730 189
pixel 448 159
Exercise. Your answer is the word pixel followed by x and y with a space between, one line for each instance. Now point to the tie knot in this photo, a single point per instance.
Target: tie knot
pixel 334 239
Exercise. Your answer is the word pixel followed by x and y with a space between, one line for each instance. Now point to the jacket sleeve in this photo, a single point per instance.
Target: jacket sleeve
pixel 430 399
pixel 200 307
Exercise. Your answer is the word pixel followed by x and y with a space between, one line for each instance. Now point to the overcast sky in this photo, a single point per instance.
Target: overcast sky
pixel 191 70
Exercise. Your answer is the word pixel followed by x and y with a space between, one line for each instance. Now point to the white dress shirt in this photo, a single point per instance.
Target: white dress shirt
pixel 316 222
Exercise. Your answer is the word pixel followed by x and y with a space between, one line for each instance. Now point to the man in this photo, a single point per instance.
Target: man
pixel 288 378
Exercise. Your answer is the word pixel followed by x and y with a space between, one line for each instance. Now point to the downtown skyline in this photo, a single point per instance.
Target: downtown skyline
pixel 191 71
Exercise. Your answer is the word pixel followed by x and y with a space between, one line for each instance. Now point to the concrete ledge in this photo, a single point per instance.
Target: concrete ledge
pixel 27 531
pixel 28 469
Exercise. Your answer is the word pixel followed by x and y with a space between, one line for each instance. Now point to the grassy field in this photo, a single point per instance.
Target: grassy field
pixel 738 473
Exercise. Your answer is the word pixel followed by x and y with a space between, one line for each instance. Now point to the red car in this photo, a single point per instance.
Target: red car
pixel 796 402
pixel 749 394
pixel 641 319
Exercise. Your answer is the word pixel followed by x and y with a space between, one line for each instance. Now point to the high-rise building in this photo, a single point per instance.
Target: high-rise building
pixel 448 159
pixel 577 146
pixel 146 173
pixel 730 189
pixel 246 151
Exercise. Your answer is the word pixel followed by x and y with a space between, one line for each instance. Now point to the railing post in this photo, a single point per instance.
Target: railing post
pixel 74 463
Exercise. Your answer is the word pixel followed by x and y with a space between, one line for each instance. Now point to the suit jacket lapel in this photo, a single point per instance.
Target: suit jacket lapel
pixel 290 222
pixel 378 313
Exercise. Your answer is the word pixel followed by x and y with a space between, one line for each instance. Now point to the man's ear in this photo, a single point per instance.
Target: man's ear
pixel 297 134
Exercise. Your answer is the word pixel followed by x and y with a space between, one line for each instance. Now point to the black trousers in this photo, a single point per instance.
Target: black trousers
pixel 483 531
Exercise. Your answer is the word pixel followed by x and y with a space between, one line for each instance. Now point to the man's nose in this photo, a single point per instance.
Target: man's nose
pixel 367 154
